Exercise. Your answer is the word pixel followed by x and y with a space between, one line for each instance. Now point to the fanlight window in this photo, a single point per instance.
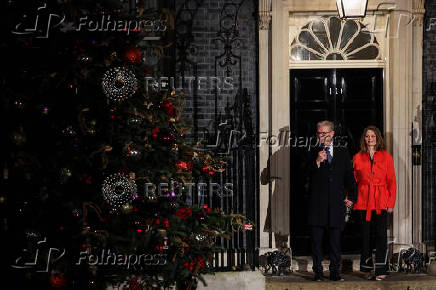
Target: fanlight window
pixel 329 38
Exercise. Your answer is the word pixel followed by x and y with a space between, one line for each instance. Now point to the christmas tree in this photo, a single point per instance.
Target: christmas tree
pixel 99 178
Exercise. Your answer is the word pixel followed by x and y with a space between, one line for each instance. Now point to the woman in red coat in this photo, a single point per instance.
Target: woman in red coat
pixel 376 183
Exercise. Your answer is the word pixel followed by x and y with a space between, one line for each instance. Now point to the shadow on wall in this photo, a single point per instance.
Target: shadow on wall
pixel 277 174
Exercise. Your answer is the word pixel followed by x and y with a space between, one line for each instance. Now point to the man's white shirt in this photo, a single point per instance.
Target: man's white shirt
pixel 330 148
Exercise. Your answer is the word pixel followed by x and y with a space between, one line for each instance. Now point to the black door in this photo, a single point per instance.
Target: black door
pixel 352 99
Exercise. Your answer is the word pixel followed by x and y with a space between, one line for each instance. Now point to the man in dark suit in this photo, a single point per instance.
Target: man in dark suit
pixel 330 172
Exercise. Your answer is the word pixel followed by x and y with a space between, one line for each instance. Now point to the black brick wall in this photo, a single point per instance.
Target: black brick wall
pixel 429 123
pixel 206 25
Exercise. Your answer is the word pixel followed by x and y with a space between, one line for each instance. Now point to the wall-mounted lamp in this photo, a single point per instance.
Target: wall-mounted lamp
pixel 352 8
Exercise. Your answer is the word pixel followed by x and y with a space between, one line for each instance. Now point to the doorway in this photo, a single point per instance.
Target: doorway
pixel 352 99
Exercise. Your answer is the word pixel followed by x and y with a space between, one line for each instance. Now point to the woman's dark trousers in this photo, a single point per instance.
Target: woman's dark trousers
pixel 373 234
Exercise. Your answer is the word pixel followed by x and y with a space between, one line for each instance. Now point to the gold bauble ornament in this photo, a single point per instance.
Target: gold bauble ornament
pixel 127 208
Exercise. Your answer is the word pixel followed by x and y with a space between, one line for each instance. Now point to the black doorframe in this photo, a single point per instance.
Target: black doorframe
pixel 353 99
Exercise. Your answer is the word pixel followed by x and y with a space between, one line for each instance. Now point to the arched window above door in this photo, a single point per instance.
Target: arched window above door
pixel 330 38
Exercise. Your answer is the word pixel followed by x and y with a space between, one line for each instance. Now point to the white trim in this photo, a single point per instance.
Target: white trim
pixel 311 64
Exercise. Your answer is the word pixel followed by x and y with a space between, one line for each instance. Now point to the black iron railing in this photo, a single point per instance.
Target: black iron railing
pixel 233 131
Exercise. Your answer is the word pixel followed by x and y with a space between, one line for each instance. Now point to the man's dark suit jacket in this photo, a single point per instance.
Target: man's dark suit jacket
pixel 327 188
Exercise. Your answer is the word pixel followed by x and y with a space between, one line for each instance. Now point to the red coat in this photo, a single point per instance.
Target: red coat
pixel 377 188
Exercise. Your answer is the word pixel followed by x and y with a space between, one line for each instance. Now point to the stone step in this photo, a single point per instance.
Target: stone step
pixel 304 263
pixel 354 280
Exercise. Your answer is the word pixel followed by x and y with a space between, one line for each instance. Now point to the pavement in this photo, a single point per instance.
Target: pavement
pixel 353 280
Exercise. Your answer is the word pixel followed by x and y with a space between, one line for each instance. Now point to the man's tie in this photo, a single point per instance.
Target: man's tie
pixel 329 156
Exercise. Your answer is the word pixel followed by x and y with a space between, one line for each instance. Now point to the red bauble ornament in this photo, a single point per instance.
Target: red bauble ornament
pixel 169 109
pixel 248 227
pixel 125 170
pixel 206 207
pixel 132 55
pixel 134 284
pixel 86 178
pixel 184 213
pixel 58 281
pixel 181 165
pixel 154 132
pixel 200 261
pixel 187 166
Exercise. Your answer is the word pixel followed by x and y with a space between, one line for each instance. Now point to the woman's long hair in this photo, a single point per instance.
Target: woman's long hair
pixel 380 143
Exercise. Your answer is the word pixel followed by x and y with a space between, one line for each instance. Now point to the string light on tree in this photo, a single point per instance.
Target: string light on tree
pixel 134 121
pixel 45 110
pixel 69 131
pixel 19 137
pixel 118 190
pixel 119 84
pixel 76 212
pixel 83 58
pixel 19 104
pixel 132 150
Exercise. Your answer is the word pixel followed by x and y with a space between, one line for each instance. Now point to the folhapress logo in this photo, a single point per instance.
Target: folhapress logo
pixel 41 25
pixel 40 260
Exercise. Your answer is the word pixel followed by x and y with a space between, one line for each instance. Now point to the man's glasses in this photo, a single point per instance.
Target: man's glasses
pixel 323 133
